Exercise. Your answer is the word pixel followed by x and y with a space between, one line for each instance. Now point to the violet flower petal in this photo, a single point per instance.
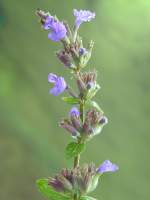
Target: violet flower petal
pixel 82 16
pixel 107 166
pixel 59 84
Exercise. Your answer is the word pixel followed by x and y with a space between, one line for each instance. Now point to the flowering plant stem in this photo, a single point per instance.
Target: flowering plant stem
pixel 85 120
pixel 77 158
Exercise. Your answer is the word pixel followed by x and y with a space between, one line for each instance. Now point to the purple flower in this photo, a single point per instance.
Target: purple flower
pixel 59 84
pixel 103 120
pixel 82 16
pixel 107 166
pixel 58 29
pixel 74 112
pixel 82 51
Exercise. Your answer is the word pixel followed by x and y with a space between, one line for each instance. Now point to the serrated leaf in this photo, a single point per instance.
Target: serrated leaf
pixel 49 192
pixel 87 198
pixel 95 105
pixel 70 100
pixel 73 149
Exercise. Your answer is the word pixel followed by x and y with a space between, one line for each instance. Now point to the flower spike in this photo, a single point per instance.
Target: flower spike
pixel 85 119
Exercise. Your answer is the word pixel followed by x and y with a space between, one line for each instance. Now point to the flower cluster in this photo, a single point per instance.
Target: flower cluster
pixel 85 119
pixel 92 125
pixel 80 180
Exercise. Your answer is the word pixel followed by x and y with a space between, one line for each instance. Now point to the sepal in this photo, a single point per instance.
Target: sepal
pixel 93 124
pixel 92 91
pixel 93 184
pixel 49 192
pixel 93 104
pixel 85 57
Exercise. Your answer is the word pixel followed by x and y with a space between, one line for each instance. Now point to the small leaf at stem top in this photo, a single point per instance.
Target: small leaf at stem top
pixel 73 149
pixel 71 100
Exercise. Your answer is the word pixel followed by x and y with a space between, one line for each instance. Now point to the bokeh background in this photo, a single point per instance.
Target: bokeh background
pixel 31 143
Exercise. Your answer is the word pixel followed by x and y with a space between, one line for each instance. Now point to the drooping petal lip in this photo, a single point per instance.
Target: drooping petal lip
pixel 52 78
pixel 107 166
pixel 83 16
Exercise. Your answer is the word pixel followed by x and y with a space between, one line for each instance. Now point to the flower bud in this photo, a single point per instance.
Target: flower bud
pixel 90 85
pixel 87 84
pixel 93 184
pixel 94 122
pixel 66 183
pixel 85 54
pixel 82 51
pixel 74 112
pixel 43 15
pixel 103 120
pixel 81 85
pixel 66 124
pixel 65 58
pixel 57 185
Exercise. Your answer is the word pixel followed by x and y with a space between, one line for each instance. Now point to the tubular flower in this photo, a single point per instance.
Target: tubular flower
pixel 58 31
pixel 68 126
pixel 57 28
pixel 107 166
pixel 82 16
pixel 73 124
pixel 59 84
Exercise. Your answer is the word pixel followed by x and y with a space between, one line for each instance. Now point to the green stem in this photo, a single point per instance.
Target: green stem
pixel 77 158
pixel 76 161
pixel 82 111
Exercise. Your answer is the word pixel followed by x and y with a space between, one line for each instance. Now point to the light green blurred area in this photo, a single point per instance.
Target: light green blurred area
pixel 31 143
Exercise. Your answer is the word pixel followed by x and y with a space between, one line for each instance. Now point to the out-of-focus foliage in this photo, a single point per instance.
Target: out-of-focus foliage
pixel 31 143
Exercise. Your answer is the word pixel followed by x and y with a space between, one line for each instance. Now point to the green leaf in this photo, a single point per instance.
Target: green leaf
pixel 95 105
pixel 87 198
pixel 49 192
pixel 70 100
pixel 73 149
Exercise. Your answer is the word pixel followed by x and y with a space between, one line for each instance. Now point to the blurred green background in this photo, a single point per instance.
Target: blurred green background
pixel 31 143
